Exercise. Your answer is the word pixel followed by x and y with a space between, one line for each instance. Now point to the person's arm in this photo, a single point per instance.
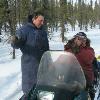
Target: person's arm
pixel 18 40
pixel 46 42
pixel 89 55
pixel 41 41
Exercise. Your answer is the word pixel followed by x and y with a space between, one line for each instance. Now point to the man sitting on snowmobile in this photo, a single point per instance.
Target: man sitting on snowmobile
pixel 79 45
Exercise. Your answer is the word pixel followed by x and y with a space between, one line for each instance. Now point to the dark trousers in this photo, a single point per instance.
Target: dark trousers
pixel 91 90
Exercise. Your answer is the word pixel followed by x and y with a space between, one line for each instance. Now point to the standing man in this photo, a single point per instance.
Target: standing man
pixel 32 41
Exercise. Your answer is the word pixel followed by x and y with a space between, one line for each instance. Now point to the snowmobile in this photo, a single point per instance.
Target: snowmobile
pixel 59 73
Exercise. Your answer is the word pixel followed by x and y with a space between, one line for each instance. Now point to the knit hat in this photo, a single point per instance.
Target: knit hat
pixel 81 35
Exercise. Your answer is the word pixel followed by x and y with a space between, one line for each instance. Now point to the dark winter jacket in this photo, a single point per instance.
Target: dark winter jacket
pixel 33 43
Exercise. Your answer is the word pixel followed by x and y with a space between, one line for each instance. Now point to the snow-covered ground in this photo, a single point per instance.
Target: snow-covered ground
pixel 10 73
pixel 10 70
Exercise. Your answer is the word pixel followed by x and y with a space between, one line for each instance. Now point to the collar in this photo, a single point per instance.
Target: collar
pixel 33 25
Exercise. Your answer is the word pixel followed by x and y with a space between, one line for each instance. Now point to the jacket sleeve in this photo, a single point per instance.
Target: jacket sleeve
pixel 86 56
pixel 89 55
pixel 46 46
pixel 21 38
pixel 42 42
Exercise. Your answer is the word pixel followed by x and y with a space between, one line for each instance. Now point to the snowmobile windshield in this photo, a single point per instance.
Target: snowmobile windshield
pixel 61 70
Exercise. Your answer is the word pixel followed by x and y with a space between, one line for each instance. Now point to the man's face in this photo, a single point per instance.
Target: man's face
pixel 38 21
pixel 79 41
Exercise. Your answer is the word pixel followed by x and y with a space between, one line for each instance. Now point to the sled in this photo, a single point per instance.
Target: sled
pixel 58 70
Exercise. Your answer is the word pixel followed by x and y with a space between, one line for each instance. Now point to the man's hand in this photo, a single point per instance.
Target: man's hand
pixel 14 39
